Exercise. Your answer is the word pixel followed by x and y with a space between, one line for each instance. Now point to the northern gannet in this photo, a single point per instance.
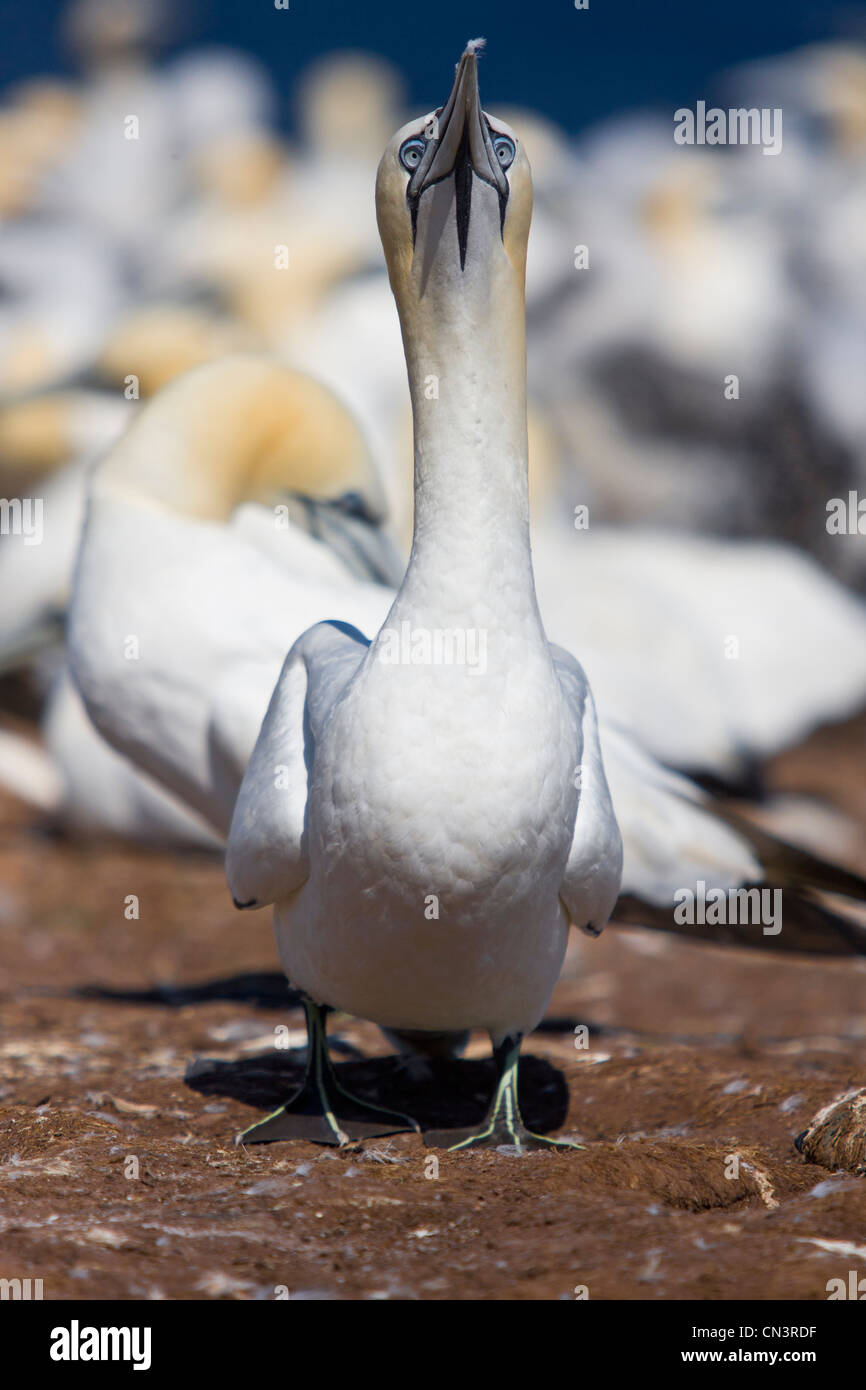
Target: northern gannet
pixel 225 521
pixel 62 287
pixel 165 340
pixel 308 205
pixel 437 827
pixel 319 478
pixel 48 444
pixel 37 121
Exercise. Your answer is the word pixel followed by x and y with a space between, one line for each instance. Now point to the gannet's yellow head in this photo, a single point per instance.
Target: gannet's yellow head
pixel 246 429
pixel 454 202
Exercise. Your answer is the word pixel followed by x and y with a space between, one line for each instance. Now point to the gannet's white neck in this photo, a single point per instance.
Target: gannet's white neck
pixel 467 377
pixel 454 203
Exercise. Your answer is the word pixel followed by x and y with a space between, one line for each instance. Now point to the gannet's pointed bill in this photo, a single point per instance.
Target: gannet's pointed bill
pixel 457 142
pixel 461 143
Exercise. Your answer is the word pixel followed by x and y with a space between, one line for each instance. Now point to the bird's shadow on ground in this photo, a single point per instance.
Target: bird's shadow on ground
pixel 446 1094
pixel 261 989
pixel 442 1094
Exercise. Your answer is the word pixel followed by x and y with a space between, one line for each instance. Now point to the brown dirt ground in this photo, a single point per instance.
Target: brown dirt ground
pixel 694 1054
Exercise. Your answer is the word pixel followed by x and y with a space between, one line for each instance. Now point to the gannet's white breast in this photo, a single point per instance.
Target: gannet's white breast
pixel 441 814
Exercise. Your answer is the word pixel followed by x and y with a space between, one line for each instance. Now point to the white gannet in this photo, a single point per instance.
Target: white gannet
pixel 271 230
pixel 311 445
pixel 61 289
pixel 77 780
pixel 164 340
pixel 37 121
pixel 716 654
pixel 47 446
pixel 410 783
pixel 225 521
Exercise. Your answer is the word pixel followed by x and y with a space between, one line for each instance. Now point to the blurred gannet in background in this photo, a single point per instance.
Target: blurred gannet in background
pixel 347 103
pixel 706 264
pixel 313 200
pixel 716 654
pixel 118 177
pixel 142 130
pixel 686 288
pixel 43 433
pixel 47 445
pixel 37 121
pixel 49 441
pixel 233 482
pixel 820 206
pixel 161 341
pixel 320 453
pixel 62 289
pixel 76 779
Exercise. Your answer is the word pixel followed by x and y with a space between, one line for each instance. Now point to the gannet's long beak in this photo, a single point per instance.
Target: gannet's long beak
pixel 362 543
pixel 461 145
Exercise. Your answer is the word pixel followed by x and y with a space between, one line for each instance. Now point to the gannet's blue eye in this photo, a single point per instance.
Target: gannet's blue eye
pixel 505 150
pixel 412 152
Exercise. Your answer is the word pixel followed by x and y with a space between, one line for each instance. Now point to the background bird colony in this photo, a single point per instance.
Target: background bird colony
pixel 696 318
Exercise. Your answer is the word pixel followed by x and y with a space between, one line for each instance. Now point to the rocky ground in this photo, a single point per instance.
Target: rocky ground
pixel 134 1050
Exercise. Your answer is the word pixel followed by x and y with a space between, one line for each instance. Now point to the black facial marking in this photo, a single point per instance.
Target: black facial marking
pixel 413 201
pixel 354 504
pixel 463 171
pixel 463 194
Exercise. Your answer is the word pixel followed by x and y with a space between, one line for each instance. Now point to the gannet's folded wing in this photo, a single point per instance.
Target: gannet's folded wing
pixel 592 874
pixel 671 838
pixel 679 845
pixel 266 858
pixel 238 705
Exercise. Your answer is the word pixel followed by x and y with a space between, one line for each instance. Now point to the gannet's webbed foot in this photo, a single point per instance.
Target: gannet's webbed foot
pixel 503 1124
pixel 321 1110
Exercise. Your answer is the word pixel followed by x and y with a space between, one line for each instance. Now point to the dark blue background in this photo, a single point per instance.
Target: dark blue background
pixel 577 66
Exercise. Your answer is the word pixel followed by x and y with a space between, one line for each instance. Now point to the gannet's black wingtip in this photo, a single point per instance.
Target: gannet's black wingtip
pixel 253 902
